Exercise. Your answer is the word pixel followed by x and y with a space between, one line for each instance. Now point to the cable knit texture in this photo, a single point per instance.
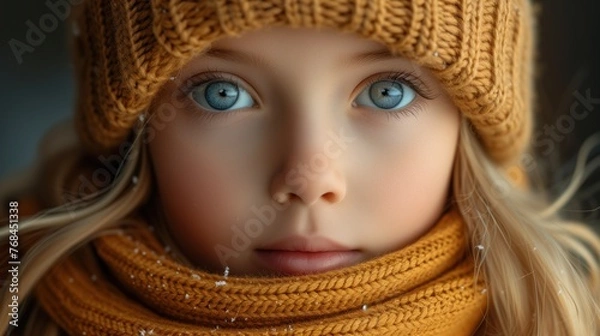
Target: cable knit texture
pixel 480 50
pixel 426 288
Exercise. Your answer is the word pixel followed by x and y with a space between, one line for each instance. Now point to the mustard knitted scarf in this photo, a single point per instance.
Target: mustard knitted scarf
pixel 426 288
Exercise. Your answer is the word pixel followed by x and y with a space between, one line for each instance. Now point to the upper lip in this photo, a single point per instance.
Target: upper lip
pixel 297 243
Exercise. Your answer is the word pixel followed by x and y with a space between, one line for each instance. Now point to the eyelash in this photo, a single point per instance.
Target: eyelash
pixel 407 78
pixel 208 76
pixel 410 79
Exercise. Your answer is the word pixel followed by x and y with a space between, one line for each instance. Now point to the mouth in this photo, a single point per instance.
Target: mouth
pixel 306 255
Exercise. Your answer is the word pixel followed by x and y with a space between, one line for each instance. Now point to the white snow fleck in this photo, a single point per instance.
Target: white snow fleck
pixel 226 272
pixel 134 180
pixel 220 283
pixel 75 28
pixel 364 307
pixel 195 276
pixel 480 247
pixel 187 296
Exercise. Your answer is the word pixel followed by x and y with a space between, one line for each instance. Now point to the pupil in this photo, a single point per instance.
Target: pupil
pixel 221 95
pixel 386 94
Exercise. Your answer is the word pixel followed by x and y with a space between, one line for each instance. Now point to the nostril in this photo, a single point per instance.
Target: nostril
pixel 330 197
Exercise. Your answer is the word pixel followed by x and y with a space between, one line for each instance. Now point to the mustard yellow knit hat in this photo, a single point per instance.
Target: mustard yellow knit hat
pixel 480 50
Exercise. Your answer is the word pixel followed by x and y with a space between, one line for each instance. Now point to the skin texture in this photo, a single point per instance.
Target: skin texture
pixel 363 177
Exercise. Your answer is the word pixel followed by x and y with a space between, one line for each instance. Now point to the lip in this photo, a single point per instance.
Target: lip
pixel 297 255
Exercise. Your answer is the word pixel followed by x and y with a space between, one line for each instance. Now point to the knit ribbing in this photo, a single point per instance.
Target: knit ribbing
pixel 479 50
pixel 426 288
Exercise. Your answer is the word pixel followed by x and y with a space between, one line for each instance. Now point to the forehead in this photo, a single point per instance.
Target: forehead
pixel 292 41
pixel 315 50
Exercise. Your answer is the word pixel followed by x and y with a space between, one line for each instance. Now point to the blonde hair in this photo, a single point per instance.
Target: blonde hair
pixel 542 271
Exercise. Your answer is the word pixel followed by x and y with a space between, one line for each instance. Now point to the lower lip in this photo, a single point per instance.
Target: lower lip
pixel 301 263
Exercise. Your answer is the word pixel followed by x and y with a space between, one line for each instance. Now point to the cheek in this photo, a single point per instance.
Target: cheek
pixel 409 189
pixel 198 194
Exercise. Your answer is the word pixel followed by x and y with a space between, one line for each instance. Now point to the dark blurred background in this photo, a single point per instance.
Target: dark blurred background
pixel 37 91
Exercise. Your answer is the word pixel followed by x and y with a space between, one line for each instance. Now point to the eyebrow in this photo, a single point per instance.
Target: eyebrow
pixel 369 57
pixel 258 61
pixel 237 57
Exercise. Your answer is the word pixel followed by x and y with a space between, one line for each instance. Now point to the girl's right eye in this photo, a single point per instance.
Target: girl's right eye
pixel 221 96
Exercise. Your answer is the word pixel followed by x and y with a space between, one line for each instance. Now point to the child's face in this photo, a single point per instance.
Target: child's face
pixel 328 123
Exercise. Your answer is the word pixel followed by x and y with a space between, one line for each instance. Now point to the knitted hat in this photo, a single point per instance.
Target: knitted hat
pixel 480 50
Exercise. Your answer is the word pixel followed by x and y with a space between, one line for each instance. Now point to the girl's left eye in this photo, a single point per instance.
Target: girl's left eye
pixel 386 95
pixel 221 96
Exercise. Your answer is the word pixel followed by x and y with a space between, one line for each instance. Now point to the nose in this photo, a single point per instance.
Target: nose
pixel 310 169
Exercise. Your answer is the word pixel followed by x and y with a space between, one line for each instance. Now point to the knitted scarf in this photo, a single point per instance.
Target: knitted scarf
pixel 426 288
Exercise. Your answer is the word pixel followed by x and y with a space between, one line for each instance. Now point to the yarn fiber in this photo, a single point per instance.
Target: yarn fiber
pixel 480 50
pixel 427 288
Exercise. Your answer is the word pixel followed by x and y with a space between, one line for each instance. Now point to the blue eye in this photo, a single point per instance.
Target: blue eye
pixel 221 95
pixel 386 95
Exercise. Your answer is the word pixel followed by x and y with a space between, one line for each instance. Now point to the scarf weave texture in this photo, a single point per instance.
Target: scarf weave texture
pixel 138 288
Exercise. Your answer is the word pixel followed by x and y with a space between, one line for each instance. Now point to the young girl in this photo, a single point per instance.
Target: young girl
pixel 298 167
